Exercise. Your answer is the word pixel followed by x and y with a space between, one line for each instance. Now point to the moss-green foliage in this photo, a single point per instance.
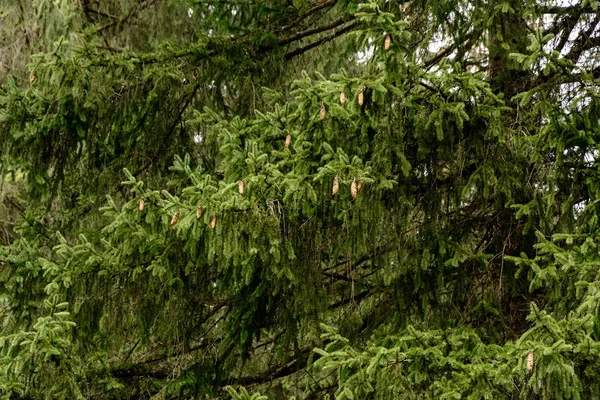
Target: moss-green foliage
pixel 181 213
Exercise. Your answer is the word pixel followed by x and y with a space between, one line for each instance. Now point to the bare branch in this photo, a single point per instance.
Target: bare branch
pixel 312 31
pixel 141 6
pixel 565 9
pixel 448 50
pixel 584 41
pixel 311 11
pixel 301 50
pixel 279 371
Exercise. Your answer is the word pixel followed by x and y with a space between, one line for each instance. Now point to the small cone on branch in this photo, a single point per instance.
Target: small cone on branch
pixel 322 113
pixel 359 186
pixel 336 185
pixel 175 218
pixel 361 98
pixel 342 97
pixel 241 186
pixel 199 211
pixel 530 359
pixel 354 189
pixel 213 222
pixel 387 43
pixel 142 204
pixel 288 140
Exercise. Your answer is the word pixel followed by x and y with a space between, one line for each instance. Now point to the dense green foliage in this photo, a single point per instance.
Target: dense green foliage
pixel 309 200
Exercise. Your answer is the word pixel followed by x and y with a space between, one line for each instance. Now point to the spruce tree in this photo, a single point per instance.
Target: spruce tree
pixel 309 200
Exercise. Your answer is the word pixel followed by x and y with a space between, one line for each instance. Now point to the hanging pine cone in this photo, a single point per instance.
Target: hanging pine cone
pixel 142 205
pixel 199 211
pixel 336 185
pixel 361 98
pixel 387 43
pixel 353 189
pixel 175 218
pixel 342 97
pixel 530 359
pixel 241 186
pixel 213 222
pixel 322 113
pixel 359 186
pixel 288 140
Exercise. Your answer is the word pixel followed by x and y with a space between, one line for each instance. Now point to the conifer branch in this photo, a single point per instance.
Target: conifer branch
pixel 268 342
pixel 565 9
pixel 176 121
pixel 280 370
pixel 216 308
pixel 584 41
pixel 566 26
pixel 136 9
pixel 312 31
pixel 308 13
pixel 100 13
pixel 16 205
pixel 135 371
pixel 356 298
pixel 302 50
pixel 465 44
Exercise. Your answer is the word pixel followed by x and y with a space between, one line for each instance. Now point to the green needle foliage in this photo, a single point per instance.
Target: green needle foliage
pixel 307 200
